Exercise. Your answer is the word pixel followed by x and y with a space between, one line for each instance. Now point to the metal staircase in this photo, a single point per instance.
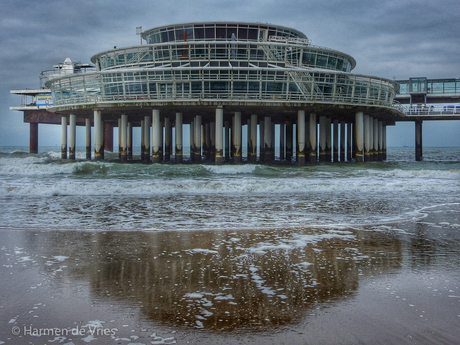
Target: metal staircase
pixel 302 78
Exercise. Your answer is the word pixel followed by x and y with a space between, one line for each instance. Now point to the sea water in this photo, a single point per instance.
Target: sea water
pixel 338 253
pixel 44 191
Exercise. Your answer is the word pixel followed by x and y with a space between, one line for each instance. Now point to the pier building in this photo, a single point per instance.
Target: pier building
pixel 227 83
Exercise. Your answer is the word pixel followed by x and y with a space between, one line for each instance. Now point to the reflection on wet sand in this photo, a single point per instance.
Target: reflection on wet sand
pixel 222 280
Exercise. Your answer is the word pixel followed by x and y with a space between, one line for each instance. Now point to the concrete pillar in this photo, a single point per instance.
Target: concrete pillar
pixel 198 123
pixel 262 141
pixel 301 137
pixel 119 137
pixel 212 138
pixel 282 142
pixel 367 139
pixel 146 138
pixel 129 140
pixel 142 140
pixel 371 138
pixel 72 135
pixel 63 137
pixel 380 141
pixel 313 137
pixel 359 136
pixel 267 139
pixel 33 138
pixel 322 138
pixel 342 142
pixel 376 139
pixel 156 136
pixel 192 141
pixel 328 140
pixel 236 138
pixel 219 135
pixel 252 153
pixel 418 140
pixel 335 148
pixel 98 135
pixel 168 139
pixel 107 137
pixel 227 141
pixel 88 138
pixel 123 131
pixel 178 136
pixel 384 139
pixel 289 134
pixel 207 140
pixel 349 142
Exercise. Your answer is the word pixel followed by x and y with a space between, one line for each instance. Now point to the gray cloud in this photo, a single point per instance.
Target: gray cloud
pixel 387 37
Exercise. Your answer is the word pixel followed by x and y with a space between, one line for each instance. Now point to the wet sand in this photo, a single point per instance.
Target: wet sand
pixel 386 284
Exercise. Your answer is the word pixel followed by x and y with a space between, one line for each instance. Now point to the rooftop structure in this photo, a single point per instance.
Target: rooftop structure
pixel 229 77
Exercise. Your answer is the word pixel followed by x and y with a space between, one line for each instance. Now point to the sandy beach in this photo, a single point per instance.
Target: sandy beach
pixel 398 284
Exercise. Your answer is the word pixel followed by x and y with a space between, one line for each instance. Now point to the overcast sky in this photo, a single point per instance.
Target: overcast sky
pixel 388 38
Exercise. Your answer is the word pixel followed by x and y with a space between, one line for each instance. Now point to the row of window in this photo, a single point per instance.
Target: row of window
pixel 216 31
pixel 310 57
pixel 438 86
pixel 181 85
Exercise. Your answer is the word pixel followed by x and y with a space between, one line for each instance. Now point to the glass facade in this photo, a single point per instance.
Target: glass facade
pixel 429 86
pixel 225 61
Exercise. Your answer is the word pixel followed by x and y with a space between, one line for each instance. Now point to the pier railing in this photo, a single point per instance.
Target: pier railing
pixel 271 85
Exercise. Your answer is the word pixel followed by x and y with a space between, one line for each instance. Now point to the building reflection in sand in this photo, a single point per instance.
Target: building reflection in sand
pixel 223 280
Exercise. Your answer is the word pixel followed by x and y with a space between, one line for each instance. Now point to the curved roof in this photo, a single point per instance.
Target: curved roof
pixel 252 24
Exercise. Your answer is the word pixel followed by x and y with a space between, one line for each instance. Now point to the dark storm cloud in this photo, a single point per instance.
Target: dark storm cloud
pixel 388 38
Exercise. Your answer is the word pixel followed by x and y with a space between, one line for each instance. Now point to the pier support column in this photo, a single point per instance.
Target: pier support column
pixel 142 140
pixel 219 135
pixel 107 137
pixel 261 141
pixel 192 141
pixel 33 137
pixel 156 136
pixel 72 135
pixel 384 139
pixel 371 138
pixel 212 137
pixel 349 142
pixel 313 138
pixel 88 138
pixel 301 137
pixel 64 137
pixel 282 142
pixel 98 135
pixel 168 139
pixel 328 140
pixel 342 142
pixel 146 139
pixel 123 129
pixel 267 139
pixel 367 138
pixel 418 141
pixel 376 140
pixel 207 140
pixel 252 153
pixel 380 141
pixel 322 138
pixel 197 131
pixel 289 132
pixel 227 141
pixel 236 138
pixel 129 140
pixel 178 135
pixel 359 136
pixel 335 147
